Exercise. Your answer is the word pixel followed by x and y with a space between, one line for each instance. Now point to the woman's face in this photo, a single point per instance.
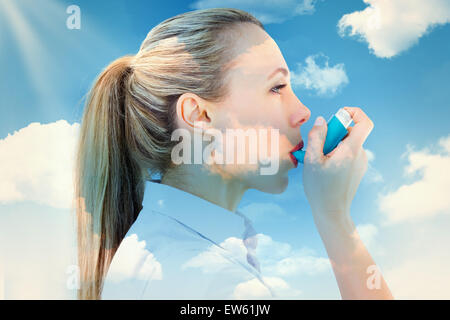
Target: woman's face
pixel 261 99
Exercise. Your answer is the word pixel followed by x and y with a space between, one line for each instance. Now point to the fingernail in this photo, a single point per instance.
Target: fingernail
pixel 320 121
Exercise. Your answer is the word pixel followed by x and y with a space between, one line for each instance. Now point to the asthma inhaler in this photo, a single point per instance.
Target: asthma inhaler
pixel 337 130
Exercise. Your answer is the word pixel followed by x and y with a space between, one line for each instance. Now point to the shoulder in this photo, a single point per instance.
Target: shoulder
pixel 194 253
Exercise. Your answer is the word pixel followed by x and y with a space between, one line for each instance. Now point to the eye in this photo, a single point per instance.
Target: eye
pixel 275 89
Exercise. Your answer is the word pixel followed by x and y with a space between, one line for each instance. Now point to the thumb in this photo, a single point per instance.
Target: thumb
pixel 316 140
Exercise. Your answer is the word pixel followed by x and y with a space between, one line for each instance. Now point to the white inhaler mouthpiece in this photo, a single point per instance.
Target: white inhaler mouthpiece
pixel 337 130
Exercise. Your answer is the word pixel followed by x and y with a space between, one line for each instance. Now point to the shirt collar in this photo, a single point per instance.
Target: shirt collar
pixel 199 214
pixel 203 217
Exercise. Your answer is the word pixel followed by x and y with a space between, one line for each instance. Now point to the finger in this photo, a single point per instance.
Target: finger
pixel 316 141
pixel 349 129
pixel 360 131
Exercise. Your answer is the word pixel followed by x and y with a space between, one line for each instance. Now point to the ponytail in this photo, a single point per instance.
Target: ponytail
pixel 109 181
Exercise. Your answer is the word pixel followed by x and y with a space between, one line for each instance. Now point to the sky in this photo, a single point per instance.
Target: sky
pixel 391 58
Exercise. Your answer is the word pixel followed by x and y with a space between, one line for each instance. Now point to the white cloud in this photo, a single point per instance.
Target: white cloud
pixel 37 244
pixel 135 262
pixel 270 250
pixel 367 233
pixel 267 11
pixel 418 266
pixel 2 280
pixel 370 155
pixel 324 80
pixel 36 164
pixel 370 236
pixel 276 258
pixel 372 174
pixel 427 196
pixel 212 260
pixel 300 264
pixel 254 289
pixel 424 277
pixel 390 27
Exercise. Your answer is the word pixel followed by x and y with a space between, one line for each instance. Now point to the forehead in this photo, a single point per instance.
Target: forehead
pixel 255 54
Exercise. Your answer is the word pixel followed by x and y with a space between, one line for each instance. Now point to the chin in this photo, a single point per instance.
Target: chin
pixel 272 184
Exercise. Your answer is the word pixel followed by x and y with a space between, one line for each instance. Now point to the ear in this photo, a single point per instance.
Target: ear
pixel 192 112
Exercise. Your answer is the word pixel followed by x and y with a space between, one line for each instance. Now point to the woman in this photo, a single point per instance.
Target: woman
pixel 205 70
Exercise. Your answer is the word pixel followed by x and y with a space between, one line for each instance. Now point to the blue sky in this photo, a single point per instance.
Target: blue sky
pixel 396 71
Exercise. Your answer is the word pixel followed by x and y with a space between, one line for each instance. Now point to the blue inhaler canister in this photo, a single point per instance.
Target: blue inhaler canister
pixel 337 130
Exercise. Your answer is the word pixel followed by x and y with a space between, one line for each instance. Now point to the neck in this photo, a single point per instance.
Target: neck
pixel 212 187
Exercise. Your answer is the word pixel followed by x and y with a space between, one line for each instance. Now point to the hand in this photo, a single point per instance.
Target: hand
pixel 330 181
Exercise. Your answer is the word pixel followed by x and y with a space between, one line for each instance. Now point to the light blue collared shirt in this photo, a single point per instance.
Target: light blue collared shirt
pixel 184 247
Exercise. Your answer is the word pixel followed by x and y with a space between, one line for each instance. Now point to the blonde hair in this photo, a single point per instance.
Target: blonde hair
pixel 127 124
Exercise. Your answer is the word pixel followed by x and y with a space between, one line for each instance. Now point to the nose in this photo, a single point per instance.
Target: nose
pixel 300 115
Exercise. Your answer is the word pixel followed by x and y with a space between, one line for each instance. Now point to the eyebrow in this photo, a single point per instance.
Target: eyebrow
pixel 282 70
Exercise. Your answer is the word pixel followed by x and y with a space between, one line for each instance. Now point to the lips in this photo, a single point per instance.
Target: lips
pixel 299 146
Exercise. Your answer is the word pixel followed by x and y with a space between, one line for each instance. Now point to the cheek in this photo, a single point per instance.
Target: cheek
pixel 250 109
pixel 273 111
